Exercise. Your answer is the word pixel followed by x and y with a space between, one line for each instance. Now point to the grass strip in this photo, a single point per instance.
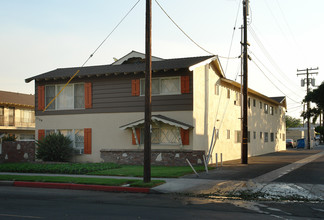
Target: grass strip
pixel 59 168
pixel 83 180
pixel 156 171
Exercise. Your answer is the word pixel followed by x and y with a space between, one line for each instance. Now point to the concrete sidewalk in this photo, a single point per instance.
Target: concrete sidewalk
pixel 257 178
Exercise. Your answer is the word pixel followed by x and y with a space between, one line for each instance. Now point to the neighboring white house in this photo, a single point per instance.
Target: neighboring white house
pixel 196 110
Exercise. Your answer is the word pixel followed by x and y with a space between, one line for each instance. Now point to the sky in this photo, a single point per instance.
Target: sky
pixel 284 35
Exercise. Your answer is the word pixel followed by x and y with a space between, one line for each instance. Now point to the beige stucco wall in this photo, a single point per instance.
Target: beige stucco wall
pixel 105 130
pixel 211 110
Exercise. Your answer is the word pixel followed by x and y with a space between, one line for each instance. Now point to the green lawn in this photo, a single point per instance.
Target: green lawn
pixel 106 169
pixel 156 171
pixel 83 180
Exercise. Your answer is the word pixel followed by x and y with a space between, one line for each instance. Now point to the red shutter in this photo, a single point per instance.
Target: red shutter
pixel 138 134
pixel 185 86
pixel 87 141
pixel 41 98
pixel 41 134
pixel 185 136
pixel 135 87
pixel 87 95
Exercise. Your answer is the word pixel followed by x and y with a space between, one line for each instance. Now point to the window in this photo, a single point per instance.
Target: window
pixel 72 97
pixel 228 93
pixel 254 135
pixel 272 137
pixel 271 110
pixel 249 137
pixel 283 137
pixel 27 116
pixel 260 105
pixel 217 134
pixel 163 86
pixel 266 136
pixel 266 108
pixel 228 134
pixel 11 116
pixel 164 135
pixel 249 102
pixel 237 100
pixel 254 103
pixel 26 137
pixel 76 136
pixel 261 135
pixel 1 115
pixel 238 136
pixel 216 89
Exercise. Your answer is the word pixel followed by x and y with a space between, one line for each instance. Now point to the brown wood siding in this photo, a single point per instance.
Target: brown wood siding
pixel 113 94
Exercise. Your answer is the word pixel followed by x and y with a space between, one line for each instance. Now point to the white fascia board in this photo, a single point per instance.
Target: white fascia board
pixel 170 123
pixel 191 68
pixel 132 125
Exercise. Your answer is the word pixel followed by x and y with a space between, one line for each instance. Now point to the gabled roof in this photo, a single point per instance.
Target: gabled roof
pixel 16 99
pixel 161 118
pixel 106 70
pixel 133 54
pixel 279 99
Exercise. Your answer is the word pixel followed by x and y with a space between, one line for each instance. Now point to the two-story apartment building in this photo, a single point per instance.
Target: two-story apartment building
pixel 17 115
pixel 195 109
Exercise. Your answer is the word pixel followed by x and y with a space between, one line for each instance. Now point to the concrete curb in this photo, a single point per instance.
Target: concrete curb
pixel 75 186
pixel 6 183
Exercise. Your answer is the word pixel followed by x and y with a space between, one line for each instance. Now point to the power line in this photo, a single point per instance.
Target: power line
pixel 230 49
pixel 268 56
pixel 293 92
pixel 160 6
pixel 271 81
pixel 91 55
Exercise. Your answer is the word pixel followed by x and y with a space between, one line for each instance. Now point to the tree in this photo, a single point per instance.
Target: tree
pixel 292 122
pixel 316 96
pixel 320 129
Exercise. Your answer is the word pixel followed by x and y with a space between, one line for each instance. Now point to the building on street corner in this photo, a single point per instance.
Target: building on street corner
pixel 195 111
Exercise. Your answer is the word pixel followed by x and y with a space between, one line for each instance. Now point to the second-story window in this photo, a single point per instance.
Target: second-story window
pixel 1 115
pixel 271 110
pixel 11 116
pixel 163 86
pixel 27 116
pixel 266 108
pixel 72 97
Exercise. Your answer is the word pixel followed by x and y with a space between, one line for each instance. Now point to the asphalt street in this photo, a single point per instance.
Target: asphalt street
pixel 33 203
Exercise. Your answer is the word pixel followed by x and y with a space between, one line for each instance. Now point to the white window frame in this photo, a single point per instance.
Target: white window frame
pixel 49 131
pixel 57 91
pixel 266 108
pixel 142 83
pixel 271 110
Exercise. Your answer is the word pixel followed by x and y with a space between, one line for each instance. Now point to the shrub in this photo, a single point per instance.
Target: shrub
pixel 54 147
pixel 9 137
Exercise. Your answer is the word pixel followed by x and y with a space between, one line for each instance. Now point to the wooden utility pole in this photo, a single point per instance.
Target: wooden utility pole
pixel 244 146
pixel 308 103
pixel 148 93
